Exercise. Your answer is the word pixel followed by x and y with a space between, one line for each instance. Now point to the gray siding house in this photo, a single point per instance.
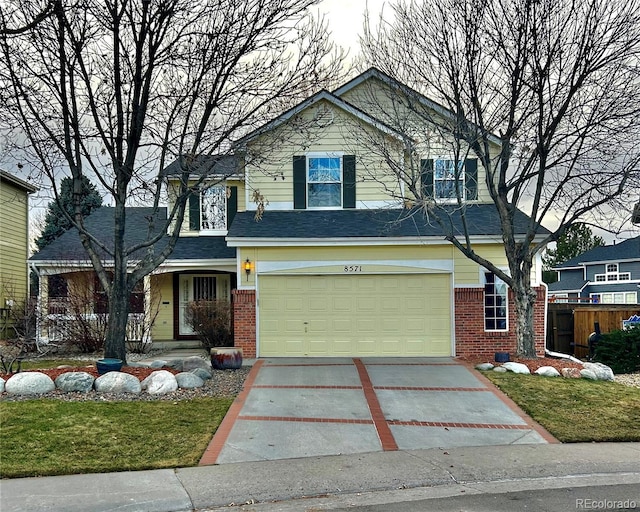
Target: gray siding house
pixel 604 275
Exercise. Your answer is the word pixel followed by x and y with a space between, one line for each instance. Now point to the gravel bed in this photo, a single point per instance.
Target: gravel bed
pixel 628 379
pixel 225 383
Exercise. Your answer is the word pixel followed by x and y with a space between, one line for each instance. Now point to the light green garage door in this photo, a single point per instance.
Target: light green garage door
pixel 347 315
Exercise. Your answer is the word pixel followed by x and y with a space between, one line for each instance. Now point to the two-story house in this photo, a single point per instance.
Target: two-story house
pixel 607 275
pixel 14 245
pixel 315 240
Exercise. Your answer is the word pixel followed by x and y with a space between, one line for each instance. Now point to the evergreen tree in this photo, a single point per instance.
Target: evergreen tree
pixel 576 240
pixel 56 222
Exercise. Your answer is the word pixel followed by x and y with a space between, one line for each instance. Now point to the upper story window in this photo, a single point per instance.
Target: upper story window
pixel 324 181
pixel 447 179
pixel 612 273
pixel 213 209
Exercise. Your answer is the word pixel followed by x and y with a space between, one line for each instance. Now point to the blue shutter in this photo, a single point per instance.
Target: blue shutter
pixel 471 178
pixel 194 211
pixel 349 181
pixel 300 182
pixel 232 205
pixel 426 176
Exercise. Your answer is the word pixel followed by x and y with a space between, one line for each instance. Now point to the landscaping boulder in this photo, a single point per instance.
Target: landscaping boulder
pixel 203 373
pixel 484 366
pixel 75 381
pixel 588 374
pixel 189 380
pixel 190 363
pixel 117 382
pixel 1 385
pixel 547 371
pixel 29 383
pixel 500 369
pixel 602 371
pixel 160 382
pixel 571 373
pixel 158 363
pixel 517 368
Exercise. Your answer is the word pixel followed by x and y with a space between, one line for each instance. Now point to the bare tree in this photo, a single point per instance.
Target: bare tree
pixel 544 94
pixel 116 90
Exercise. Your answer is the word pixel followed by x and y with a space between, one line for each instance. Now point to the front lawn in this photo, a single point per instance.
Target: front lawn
pixel 575 410
pixel 53 437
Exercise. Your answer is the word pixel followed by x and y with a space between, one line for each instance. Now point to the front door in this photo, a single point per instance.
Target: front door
pixel 194 287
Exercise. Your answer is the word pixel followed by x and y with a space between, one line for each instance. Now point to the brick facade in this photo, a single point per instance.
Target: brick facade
pixel 474 342
pixel 244 321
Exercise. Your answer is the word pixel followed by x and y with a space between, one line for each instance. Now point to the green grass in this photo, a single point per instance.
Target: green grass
pixel 576 410
pixel 51 437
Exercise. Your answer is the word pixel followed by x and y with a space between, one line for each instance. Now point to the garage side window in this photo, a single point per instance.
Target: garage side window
pixel 495 303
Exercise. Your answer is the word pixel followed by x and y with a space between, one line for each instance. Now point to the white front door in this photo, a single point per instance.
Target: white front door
pixel 199 287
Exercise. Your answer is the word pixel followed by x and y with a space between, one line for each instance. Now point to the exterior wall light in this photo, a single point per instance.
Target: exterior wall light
pixel 247 267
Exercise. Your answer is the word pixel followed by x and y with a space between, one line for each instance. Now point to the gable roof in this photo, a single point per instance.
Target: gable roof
pixel 100 223
pixel 409 91
pixel 323 95
pixel 17 182
pixel 572 282
pixel 354 224
pixel 627 250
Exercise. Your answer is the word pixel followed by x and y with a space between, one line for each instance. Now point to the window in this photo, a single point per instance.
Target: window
pixel 324 181
pixel 495 303
pixel 612 273
pixel 447 182
pixel 444 179
pixel 614 298
pixel 101 300
pixel 58 294
pixel 213 209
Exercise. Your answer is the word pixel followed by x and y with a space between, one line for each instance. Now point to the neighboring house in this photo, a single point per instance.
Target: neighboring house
pixel 337 264
pixel 14 245
pixel 608 275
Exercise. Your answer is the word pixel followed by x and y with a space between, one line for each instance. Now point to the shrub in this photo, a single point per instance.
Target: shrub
pixel 211 320
pixel 620 350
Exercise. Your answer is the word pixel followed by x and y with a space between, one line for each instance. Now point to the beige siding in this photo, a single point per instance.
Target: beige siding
pixel 13 243
pixel 162 284
pixel 273 176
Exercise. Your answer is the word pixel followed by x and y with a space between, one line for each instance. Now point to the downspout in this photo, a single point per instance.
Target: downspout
pixel 548 352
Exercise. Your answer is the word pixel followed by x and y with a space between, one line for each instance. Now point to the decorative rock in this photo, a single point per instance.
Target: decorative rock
pixel 117 382
pixel 588 374
pixel 189 380
pixel 29 383
pixel 176 364
pixel 158 363
pixel 602 371
pixel 75 381
pixel 160 382
pixel 500 369
pixel 484 366
pixel 571 373
pixel 547 371
pixel 517 368
pixel 190 363
pixel 203 373
pixel 1 385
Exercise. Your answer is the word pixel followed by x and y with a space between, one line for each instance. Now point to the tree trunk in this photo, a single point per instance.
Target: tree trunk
pixel 524 302
pixel 115 342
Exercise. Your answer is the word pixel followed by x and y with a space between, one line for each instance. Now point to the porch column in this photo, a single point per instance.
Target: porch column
pixel 244 321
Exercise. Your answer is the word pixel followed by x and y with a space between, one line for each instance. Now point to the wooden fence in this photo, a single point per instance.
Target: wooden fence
pixel 569 324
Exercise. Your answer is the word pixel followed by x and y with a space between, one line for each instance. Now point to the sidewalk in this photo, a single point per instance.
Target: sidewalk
pixel 381 476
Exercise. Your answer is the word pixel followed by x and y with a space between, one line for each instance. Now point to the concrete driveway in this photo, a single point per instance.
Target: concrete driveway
pixel 303 407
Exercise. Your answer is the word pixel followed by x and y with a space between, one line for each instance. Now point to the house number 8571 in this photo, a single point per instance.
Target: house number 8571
pixel 353 268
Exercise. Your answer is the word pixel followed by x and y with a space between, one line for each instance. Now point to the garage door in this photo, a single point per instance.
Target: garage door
pixel 347 315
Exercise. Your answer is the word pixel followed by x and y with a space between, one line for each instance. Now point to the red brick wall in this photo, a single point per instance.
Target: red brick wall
pixel 244 321
pixel 474 342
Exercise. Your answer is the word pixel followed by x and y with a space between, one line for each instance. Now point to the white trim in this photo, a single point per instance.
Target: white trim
pixel 273 267
pixel 353 241
pixel 360 205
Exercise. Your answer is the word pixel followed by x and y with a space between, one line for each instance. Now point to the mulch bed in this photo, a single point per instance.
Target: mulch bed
pixel 533 364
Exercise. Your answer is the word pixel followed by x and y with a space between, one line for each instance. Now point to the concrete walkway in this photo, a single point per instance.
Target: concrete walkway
pixel 302 407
